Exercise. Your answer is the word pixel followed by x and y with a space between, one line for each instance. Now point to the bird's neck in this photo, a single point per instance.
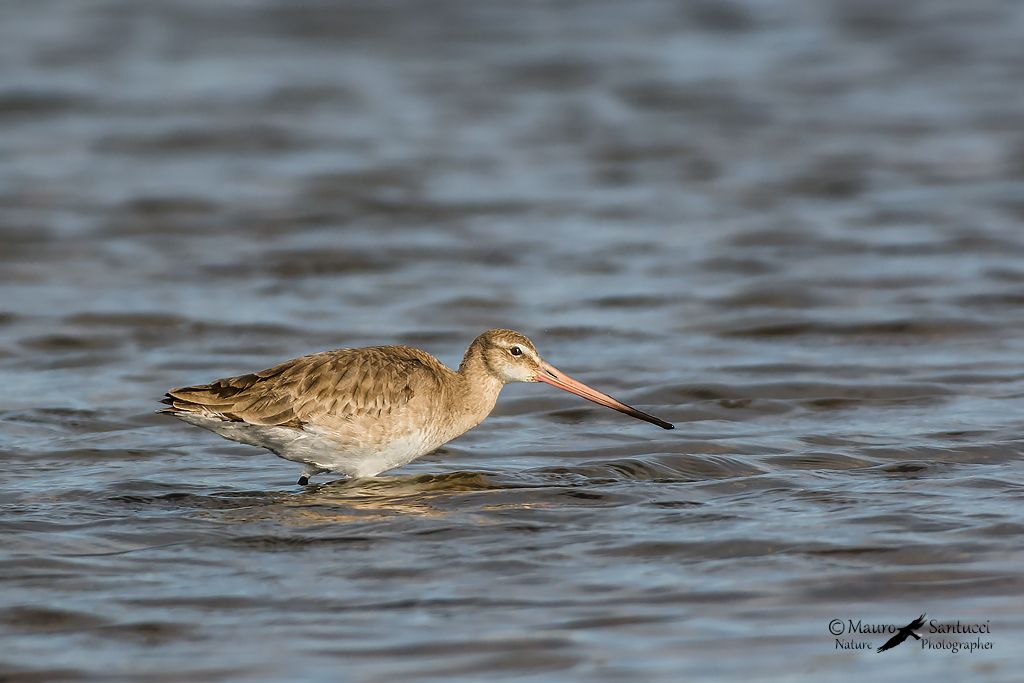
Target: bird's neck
pixel 478 385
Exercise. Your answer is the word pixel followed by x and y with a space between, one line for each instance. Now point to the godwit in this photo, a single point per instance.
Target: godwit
pixel 363 411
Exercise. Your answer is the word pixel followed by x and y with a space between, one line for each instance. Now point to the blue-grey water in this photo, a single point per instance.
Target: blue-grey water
pixel 793 227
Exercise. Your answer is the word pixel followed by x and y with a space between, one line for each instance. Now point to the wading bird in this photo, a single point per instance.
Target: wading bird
pixel 360 412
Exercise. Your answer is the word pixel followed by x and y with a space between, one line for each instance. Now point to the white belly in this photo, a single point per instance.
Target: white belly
pixel 319 448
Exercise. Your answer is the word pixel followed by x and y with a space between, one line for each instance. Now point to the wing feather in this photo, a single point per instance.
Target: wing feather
pixel 342 384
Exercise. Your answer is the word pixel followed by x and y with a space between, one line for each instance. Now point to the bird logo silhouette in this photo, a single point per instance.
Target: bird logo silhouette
pixel 904 633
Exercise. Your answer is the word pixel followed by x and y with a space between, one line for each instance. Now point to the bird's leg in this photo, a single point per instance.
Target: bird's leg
pixel 915 636
pixel 308 472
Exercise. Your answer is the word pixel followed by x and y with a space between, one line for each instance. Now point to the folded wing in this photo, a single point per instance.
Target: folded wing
pixel 344 384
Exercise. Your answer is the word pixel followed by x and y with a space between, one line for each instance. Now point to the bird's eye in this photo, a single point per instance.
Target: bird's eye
pixel 516 351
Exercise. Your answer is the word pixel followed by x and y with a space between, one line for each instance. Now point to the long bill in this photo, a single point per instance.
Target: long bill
pixel 556 378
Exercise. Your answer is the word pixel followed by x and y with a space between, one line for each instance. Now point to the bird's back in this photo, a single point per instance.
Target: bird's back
pixel 348 391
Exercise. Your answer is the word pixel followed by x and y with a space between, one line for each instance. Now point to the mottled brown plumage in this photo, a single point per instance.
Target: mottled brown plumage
pixel 329 387
pixel 363 411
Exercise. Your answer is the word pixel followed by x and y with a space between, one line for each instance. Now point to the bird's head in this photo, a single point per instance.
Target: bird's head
pixel 510 356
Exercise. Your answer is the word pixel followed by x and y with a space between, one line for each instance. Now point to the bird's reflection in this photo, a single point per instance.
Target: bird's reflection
pixel 364 498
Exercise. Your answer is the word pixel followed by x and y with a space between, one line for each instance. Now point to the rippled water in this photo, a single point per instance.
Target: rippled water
pixel 795 228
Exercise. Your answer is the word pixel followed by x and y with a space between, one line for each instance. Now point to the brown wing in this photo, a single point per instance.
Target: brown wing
pixel 345 383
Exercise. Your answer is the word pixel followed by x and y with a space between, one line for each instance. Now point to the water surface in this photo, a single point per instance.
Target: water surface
pixel 793 228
